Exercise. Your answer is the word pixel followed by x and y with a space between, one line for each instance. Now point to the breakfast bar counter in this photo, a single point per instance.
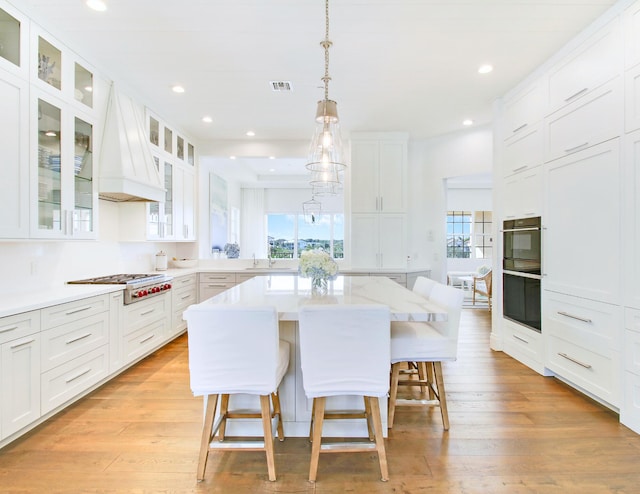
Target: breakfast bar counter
pixel 288 294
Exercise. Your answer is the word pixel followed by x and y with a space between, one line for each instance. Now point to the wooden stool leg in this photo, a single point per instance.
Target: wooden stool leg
pixel 318 418
pixel 422 375
pixel 430 377
pixel 276 410
pixel 224 408
pixel 367 414
pixel 377 427
pixel 265 406
pixel 207 427
pixel 311 424
pixel 393 393
pixel 437 369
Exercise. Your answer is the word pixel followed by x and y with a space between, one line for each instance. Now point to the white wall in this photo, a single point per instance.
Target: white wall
pixel 431 162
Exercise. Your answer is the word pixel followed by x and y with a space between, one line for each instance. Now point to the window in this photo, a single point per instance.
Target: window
pixel 469 234
pixel 289 235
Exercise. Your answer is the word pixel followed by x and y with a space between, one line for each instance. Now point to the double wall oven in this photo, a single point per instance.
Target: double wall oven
pixel 522 271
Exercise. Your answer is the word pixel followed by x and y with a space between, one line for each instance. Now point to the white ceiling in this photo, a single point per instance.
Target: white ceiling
pixel 396 65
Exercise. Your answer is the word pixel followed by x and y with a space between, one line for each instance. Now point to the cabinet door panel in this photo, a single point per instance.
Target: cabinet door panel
pixel 631 212
pixel 392 241
pixel 364 176
pixel 523 194
pixel 582 245
pixel 523 151
pixel 392 177
pixel 14 165
pixel 364 240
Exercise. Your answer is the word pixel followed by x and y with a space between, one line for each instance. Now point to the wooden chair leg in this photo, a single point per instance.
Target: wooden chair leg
pixel 437 369
pixel 207 428
pixel 377 427
pixel 277 411
pixel 422 375
pixel 224 409
pixel 367 414
pixel 265 406
pixel 430 378
pixel 318 419
pixel 393 393
pixel 311 424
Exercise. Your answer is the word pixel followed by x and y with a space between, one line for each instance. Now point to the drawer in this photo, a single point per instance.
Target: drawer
pixel 217 277
pixel 141 341
pixel 630 410
pixel 72 340
pixel 632 352
pixel 140 314
pixel 589 121
pixel 632 319
pixel 523 151
pixel 400 278
pixel 73 311
pixel 73 377
pixel 523 109
pixel 208 290
pixel 183 298
pixel 593 372
pixel 522 343
pixel 594 325
pixel 242 277
pixel 184 281
pixel 19 325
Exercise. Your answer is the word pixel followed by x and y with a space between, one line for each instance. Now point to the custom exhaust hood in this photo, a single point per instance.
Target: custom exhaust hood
pixel 128 171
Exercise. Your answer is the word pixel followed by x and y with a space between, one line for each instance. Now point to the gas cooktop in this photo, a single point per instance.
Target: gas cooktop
pixel 119 279
pixel 138 286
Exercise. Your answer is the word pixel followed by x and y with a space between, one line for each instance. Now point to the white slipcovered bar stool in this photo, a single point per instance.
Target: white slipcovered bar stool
pixel 236 350
pixel 344 350
pixel 431 343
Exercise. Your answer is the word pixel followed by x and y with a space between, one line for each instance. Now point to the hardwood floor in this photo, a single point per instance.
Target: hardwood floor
pixel 512 431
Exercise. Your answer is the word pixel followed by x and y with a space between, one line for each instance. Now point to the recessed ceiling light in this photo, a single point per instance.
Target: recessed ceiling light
pixel 177 88
pixel 232 157
pixel 272 157
pixel 99 5
pixel 272 170
pixel 485 69
pixel 250 133
pixel 467 122
pixel 207 119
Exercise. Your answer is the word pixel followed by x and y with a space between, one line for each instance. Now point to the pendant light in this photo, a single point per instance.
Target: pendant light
pixel 311 210
pixel 325 151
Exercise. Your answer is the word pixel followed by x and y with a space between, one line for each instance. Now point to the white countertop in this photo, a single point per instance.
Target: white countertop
pixel 289 293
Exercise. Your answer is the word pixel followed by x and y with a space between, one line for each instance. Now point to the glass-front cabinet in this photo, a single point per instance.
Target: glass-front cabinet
pixel 174 218
pixel 64 181
pixel 13 41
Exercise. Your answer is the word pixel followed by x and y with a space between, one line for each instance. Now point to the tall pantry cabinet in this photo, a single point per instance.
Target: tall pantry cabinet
pixel 378 200
pixel 587 139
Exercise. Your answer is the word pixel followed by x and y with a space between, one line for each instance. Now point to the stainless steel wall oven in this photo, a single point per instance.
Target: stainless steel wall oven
pixel 522 268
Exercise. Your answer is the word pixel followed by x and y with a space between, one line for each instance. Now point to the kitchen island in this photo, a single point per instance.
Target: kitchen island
pixel 288 293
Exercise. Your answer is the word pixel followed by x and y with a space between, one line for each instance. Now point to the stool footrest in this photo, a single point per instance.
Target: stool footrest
pixel 347 447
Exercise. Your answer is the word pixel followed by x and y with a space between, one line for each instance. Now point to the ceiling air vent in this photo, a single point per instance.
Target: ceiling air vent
pixel 281 86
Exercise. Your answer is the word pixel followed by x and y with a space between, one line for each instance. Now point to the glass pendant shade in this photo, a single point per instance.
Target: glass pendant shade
pixel 325 151
pixel 325 178
pixel 311 210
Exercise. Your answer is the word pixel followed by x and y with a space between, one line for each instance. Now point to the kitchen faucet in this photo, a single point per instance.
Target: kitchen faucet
pixel 255 263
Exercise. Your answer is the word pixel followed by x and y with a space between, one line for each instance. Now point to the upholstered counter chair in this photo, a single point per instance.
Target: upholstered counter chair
pixel 236 350
pixel 344 350
pixel 431 343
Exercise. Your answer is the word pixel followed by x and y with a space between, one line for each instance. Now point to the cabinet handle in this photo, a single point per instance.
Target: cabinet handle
pixel 520 168
pixel 73 340
pixel 578 318
pixel 215 285
pixel 575 95
pixel 75 311
pixel 520 338
pixel 571 359
pixel 147 312
pixel 79 374
pixel 6 330
pixel 381 203
pixel 575 148
pixel 146 339
pixel 519 128
pixel 18 345
pixel 377 204
pixel 186 297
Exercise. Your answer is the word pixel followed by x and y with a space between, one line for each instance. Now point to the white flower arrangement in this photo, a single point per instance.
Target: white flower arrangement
pixel 317 264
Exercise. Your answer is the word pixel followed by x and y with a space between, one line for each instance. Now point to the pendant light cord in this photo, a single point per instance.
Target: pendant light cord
pixel 326 44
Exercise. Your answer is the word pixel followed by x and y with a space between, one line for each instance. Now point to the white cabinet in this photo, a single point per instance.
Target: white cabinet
pixel 211 284
pixel 630 407
pixel 184 292
pixel 522 194
pixel 522 110
pixel 632 99
pixel 523 344
pixel 378 175
pixel 378 241
pixel 14 157
pixel 145 326
pixel 184 195
pixel 523 151
pixel 582 237
pixel 590 120
pixel 14 54
pixel 631 218
pixel 19 371
pixel 583 344
pixel 631 22
pixel 588 66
